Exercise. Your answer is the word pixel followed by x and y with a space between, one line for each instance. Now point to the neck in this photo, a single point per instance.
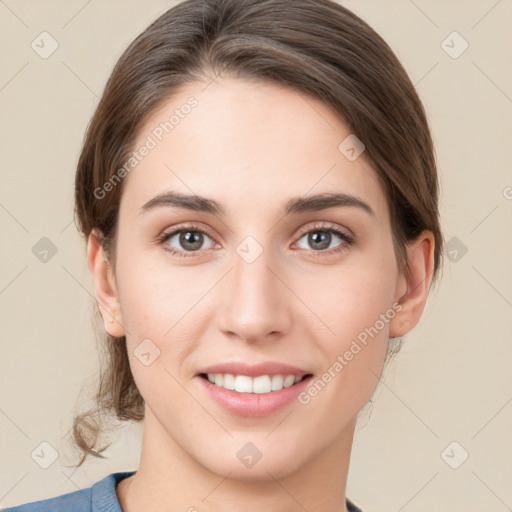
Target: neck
pixel 170 479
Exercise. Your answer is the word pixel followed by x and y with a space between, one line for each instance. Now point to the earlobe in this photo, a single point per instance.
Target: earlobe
pixel 420 254
pixel 104 285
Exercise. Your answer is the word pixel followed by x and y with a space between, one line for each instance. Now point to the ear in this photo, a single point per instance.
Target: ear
pixel 412 291
pixel 105 286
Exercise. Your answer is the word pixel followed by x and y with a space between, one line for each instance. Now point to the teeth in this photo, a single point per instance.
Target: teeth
pixel 228 381
pixel 260 384
pixel 288 381
pixel 277 382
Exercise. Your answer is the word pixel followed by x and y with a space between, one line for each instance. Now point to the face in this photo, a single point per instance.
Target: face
pixel 265 284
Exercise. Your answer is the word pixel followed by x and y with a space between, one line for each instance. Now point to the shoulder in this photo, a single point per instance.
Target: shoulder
pixel 100 497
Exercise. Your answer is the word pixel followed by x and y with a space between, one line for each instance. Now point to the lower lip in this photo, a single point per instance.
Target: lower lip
pixel 253 404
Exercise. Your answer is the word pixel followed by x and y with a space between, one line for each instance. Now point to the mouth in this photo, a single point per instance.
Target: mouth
pixel 260 384
pixel 260 389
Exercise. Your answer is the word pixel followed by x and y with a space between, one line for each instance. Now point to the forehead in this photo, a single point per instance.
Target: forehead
pixel 246 144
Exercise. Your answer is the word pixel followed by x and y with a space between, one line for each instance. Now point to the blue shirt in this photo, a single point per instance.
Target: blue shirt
pixel 100 497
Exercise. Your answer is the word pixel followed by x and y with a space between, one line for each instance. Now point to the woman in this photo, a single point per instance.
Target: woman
pixel 259 196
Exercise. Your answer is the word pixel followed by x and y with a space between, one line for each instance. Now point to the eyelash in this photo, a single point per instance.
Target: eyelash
pixel 324 227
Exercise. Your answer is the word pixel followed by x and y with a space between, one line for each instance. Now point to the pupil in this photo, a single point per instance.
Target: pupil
pixel 189 238
pixel 323 239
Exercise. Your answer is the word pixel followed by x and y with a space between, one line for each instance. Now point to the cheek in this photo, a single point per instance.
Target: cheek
pixel 356 307
pixel 160 303
pixel 351 297
pixel 154 294
pixel 353 359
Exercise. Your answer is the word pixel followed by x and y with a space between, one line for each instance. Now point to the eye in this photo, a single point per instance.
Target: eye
pixel 186 239
pixel 321 239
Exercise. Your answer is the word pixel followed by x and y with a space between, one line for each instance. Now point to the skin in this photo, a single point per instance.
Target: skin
pixel 252 147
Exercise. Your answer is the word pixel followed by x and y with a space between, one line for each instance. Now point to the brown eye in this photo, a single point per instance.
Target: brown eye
pixel 191 240
pixel 187 239
pixel 321 239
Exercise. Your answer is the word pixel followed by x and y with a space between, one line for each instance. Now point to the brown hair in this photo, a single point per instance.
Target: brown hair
pixel 316 47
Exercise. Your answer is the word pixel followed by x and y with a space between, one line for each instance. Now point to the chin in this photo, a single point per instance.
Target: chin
pixel 262 471
pixel 245 462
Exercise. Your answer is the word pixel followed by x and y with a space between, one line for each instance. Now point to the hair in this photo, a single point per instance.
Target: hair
pixel 315 47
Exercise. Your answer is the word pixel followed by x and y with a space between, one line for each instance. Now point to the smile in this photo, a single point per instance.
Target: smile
pixel 246 384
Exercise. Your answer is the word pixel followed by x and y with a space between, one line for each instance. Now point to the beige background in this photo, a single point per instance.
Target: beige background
pixel 451 382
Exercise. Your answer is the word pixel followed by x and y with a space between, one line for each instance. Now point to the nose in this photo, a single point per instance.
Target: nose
pixel 255 304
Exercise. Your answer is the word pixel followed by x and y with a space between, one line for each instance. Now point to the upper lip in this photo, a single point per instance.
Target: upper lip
pixel 254 370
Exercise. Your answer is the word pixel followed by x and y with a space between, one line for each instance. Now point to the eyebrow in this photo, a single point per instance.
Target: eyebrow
pixel 294 205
